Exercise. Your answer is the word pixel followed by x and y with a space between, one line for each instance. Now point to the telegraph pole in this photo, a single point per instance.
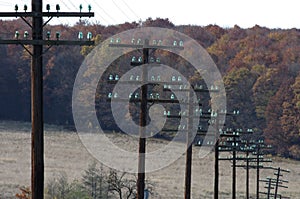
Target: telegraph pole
pixel 189 150
pixel 275 183
pixel 234 168
pixel 216 181
pixel 143 122
pixel 37 134
pixel 247 171
pixel 37 137
pixel 145 46
pixel 257 171
pixel 216 163
pixel 219 148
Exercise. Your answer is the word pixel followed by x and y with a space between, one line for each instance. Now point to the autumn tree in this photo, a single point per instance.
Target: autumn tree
pixel 290 119
pixel 238 85
pixel 274 132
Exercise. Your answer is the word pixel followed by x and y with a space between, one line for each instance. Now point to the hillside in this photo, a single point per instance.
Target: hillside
pixel 260 69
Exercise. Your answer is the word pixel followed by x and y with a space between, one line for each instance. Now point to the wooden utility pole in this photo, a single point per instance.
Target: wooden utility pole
pixel 37 137
pixel 188 170
pixel 257 170
pixel 37 133
pixel 275 183
pixel 143 123
pixel 216 180
pixel 247 171
pixel 219 148
pixel 143 106
pixel 234 168
pixel 189 150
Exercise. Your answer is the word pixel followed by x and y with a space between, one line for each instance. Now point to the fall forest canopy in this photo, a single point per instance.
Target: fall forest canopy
pixel 260 68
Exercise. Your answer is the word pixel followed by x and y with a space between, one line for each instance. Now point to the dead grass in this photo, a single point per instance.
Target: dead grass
pixel 64 152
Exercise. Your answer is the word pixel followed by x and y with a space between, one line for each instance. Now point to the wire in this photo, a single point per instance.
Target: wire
pixel 53 4
pixel 103 10
pixel 131 10
pixel 98 14
pixel 101 13
pixel 121 10
pixel 66 5
pixel 102 18
pixel 3 3
pixel 73 5
pixel 23 2
pixel 66 19
pixel 62 21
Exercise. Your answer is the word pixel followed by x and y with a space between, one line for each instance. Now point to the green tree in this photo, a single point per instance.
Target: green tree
pixel 94 181
pixel 60 188
pixel 238 85
pixel 265 87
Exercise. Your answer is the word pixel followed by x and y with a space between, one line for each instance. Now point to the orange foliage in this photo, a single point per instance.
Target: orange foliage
pixel 25 193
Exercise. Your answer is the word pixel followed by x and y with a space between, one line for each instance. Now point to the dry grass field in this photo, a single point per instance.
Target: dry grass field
pixel 64 152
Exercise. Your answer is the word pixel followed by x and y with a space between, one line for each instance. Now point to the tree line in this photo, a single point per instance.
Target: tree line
pixel 260 68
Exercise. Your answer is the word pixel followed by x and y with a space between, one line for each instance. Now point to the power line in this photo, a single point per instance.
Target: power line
pixel 66 5
pixel 121 10
pixel 3 3
pixel 103 10
pixel 102 18
pixel 59 19
pixel 72 4
pixel 131 10
pixel 99 14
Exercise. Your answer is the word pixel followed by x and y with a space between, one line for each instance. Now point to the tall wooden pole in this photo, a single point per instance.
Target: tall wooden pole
pixel 143 122
pixel 234 168
pixel 143 110
pixel 37 133
pixel 188 172
pixel 189 150
pixel 216 181
pixel 277 182
pixel 37 152
pixel 257 171
pixel 247 173
pixel 269 188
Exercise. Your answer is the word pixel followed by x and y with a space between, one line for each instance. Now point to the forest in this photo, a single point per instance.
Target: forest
pixel 260 69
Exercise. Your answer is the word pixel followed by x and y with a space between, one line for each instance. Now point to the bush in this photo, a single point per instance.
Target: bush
pixel 96 183
pixel 59 188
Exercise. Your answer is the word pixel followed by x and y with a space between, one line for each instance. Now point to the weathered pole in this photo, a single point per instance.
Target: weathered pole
pixel 37 144
pixel 143 122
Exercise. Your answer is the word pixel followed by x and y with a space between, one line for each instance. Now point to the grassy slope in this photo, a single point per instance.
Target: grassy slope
pixel 64 152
